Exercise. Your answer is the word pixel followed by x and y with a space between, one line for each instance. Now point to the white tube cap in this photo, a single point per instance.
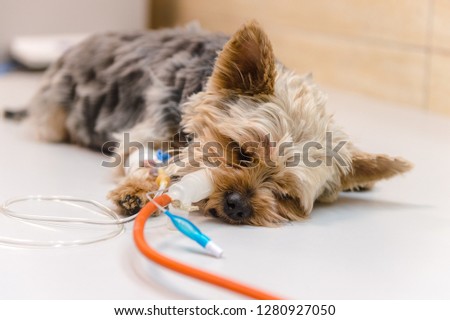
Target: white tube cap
pixel 213 249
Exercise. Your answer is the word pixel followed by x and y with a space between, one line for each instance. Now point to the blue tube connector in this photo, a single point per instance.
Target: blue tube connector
pixel 190 230
pixel 162 156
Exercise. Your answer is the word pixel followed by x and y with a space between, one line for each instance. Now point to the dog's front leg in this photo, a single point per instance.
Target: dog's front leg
pixel 130 194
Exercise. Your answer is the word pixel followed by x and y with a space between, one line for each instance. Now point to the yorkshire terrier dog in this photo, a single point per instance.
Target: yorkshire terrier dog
pixel 225 104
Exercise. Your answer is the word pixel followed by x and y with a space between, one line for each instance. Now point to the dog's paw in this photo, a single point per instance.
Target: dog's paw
pixel 130 195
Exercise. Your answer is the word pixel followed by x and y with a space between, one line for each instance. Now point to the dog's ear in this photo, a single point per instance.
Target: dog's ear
pixel 368 168
pixel 246 64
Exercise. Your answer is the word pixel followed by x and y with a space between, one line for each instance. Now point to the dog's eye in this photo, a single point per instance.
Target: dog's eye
pixel 241 156
pixel 245 159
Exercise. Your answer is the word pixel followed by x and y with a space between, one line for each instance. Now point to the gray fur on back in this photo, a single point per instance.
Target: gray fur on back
pixel 112 82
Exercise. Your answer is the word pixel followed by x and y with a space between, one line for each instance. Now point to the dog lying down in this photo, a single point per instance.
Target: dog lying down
pixel 215 102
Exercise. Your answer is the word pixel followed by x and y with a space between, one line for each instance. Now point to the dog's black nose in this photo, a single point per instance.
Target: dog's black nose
pixel 236 206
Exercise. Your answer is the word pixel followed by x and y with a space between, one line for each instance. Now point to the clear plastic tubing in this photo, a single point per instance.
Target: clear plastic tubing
pixel 191 188
pixel 113 219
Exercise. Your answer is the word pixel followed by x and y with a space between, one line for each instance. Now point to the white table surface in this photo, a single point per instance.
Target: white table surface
pixel 391 243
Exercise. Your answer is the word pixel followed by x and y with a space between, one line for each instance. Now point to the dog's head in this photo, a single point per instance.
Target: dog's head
pixel 270 147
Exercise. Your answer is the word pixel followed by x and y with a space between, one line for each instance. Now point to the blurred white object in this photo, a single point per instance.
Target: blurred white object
pixel 47 17
pixel 38 52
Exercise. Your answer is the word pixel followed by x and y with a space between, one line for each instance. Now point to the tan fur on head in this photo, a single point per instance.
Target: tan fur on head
pixel 274 194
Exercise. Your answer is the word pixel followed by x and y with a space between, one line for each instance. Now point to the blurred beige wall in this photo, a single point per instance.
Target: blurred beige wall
pixel 393 50
pixel 32 17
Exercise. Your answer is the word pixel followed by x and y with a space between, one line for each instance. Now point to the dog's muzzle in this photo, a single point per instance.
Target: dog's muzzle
pixel 237 207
